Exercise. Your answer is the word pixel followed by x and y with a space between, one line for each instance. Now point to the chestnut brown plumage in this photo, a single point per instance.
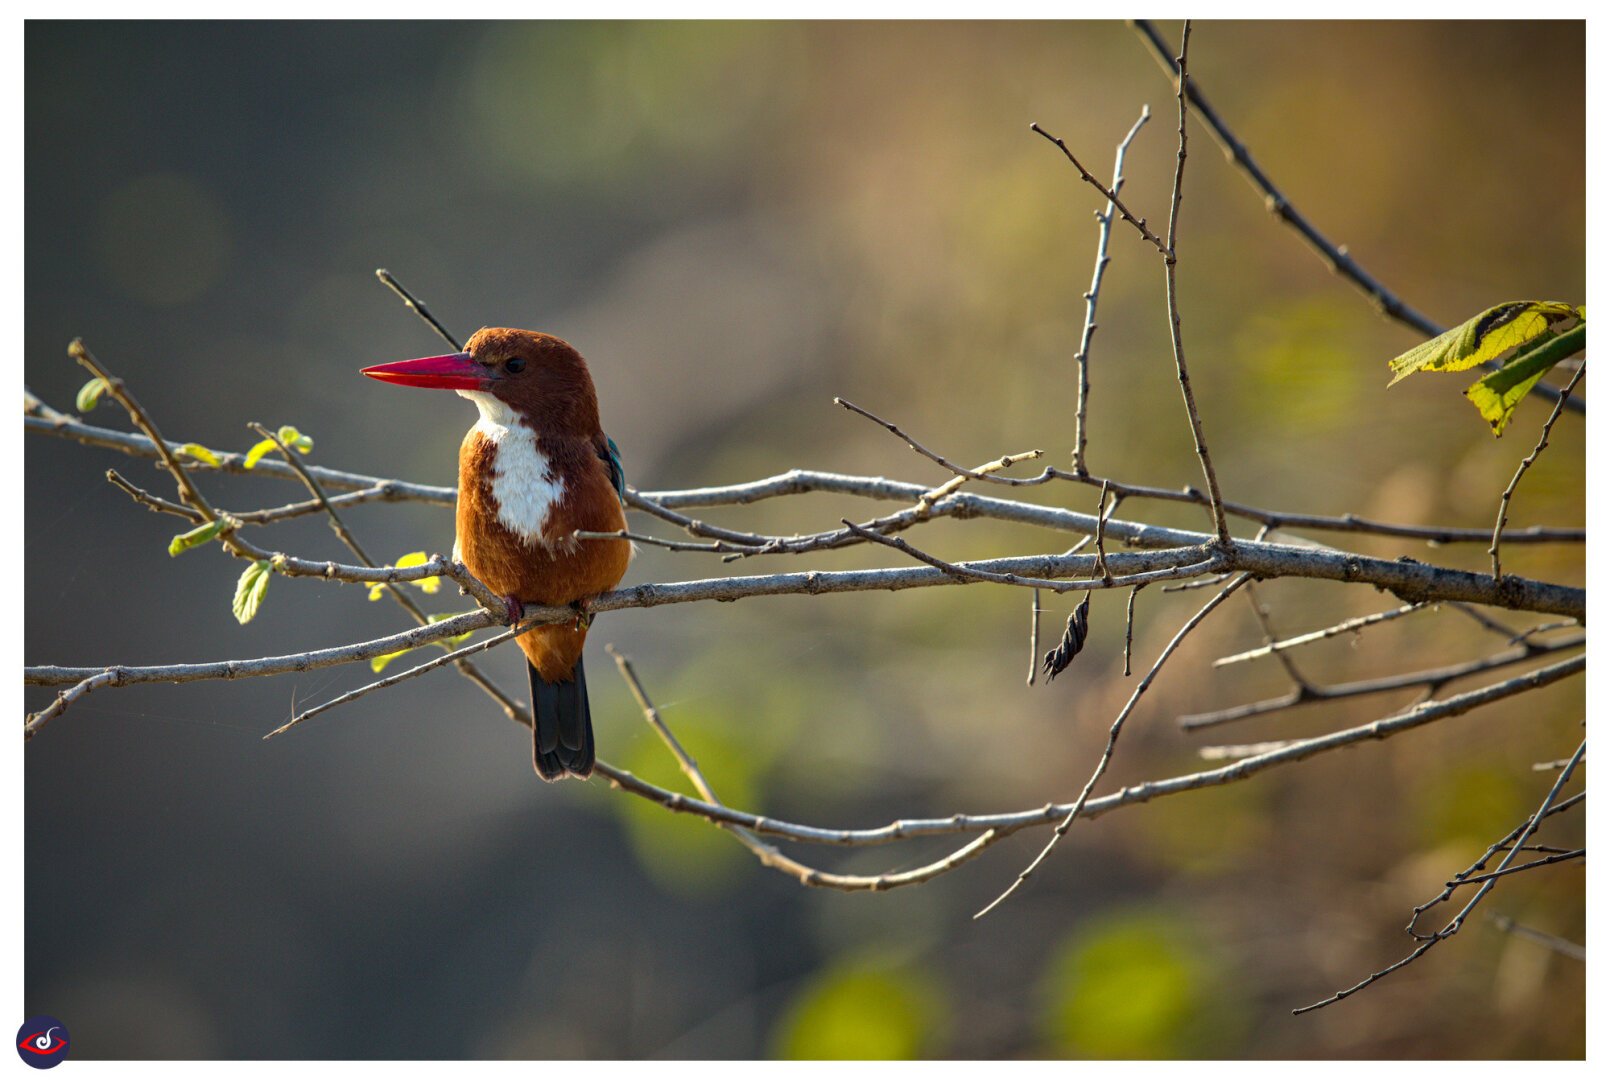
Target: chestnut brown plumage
pixel 536 468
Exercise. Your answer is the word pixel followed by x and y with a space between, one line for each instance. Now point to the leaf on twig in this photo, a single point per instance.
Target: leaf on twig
pixel 250 589
pixel 378 664
pixel 1528 337
pixel 1496 394
pixel 1073 640
pixel 302 444
pixel 413 558
pixel 288 435
pixel 255 454
pixel 195 537
pixel 89 395
pixel 200 453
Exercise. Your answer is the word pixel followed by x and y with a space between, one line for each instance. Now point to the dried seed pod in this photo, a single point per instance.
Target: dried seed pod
pixel 1073 639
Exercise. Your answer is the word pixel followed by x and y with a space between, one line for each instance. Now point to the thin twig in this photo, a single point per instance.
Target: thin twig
pixel 1547 860
pixel 1286 662
pixel 1453 926
pixel 1103 512
pixel 456 656
pixel 1103 233
pixel 939 459
pixel 1194 562
pixel 1129 626
pixel 1276 648
pixel 418 308
pixel 1111 196
pixel 1170 263
pixel 1507 925
pixel 1431 681
pixel 1112 741
pixel 1542 444
pixel 1034 637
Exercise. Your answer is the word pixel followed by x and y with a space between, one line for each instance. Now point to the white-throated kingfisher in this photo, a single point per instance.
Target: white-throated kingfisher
pixel 533 470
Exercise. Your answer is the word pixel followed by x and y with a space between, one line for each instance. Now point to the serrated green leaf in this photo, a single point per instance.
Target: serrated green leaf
pixel 89 395
pixel 255 454
pixel 1488 336
pixel 1496 394
pixel 250 589
pixel 200 453
pixel 195 537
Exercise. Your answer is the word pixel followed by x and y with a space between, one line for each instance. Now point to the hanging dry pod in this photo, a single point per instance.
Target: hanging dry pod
pixel 1073 639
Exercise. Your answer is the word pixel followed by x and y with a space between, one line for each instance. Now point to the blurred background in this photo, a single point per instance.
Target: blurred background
pixel 734 223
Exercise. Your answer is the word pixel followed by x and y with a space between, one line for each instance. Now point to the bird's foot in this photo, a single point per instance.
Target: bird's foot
pixel 515 608
pixel 584 614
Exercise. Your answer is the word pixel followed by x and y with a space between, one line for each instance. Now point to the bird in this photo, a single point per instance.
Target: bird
pixel 534 469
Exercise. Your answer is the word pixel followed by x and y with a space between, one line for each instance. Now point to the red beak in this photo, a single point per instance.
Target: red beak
pixel 455 371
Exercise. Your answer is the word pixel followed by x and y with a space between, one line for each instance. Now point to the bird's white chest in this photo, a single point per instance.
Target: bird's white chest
pixel 522 481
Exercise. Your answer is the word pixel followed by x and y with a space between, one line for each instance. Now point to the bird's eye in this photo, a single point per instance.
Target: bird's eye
pixel 514 365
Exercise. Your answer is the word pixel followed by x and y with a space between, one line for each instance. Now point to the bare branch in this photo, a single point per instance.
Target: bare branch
pixel 1034 636
pixel 940 459
pixel 123 675
pixel 1275 648
pixel 1453 926
pixel 1103 233
pixel 1111 196
pixel 418 308
pixel 1549 941
pixel 1170 262
pixel 1547 860
pixel 1431 680
pixel 40 419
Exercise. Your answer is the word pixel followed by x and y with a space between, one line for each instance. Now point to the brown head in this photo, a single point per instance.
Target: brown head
pixel 538 376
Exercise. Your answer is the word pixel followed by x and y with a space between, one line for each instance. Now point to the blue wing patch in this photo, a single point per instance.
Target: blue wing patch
pixel 617 471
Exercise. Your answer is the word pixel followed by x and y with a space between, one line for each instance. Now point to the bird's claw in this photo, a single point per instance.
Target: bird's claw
pixel 515 608
pixel 584 615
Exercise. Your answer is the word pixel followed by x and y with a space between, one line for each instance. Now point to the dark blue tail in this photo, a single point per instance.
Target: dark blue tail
pixel 562 736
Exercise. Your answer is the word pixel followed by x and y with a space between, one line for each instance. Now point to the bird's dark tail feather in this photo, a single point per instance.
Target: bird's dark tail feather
pixel 562 736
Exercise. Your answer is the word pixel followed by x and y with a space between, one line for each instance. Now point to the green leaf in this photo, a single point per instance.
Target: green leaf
pixel 89 395
pixel 378 663
pixel 1496 394
pixel 294 439
pixel 195 537
pixel 1488 336
pixel 250 589
pixel 413 558
pixel 419 558
pixel 200 453
pixel 255 454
